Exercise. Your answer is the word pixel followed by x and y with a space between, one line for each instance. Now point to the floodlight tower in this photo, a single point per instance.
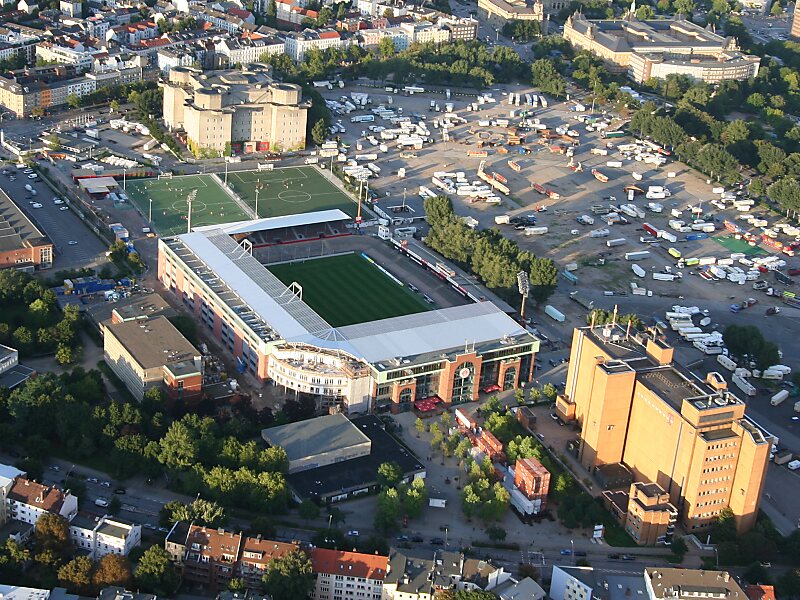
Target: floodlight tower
pixel 189 199
pixel 524 286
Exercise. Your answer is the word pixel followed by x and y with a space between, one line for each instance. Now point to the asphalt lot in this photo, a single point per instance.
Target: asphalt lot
pixel 61 226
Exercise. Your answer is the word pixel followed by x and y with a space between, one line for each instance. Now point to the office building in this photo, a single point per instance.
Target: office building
pixel 218 108
pixel 660 47
pixel 152 352
pixel 634 405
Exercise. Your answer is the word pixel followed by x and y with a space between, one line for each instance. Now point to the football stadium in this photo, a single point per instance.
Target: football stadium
pixel 370 324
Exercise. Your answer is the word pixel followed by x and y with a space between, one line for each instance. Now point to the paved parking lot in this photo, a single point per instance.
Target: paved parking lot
pixel 61 226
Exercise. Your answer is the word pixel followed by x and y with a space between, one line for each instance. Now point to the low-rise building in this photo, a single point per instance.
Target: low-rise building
pixel 299 43
pixel 99 536
pixel 153 353
pixel 23 246
pixel 28 500
pixel 663 584
pixel 586 583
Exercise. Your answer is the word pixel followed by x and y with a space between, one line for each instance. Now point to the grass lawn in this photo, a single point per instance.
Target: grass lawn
pixel 213 206
pixel 289 191
pixel 347 289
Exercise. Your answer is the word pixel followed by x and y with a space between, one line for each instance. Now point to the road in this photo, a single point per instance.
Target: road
pixel 61 226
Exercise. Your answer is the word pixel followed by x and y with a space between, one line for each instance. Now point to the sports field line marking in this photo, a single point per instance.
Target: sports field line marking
pixel 261 178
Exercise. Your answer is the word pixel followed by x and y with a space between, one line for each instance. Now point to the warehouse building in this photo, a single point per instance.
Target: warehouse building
pixel 22 245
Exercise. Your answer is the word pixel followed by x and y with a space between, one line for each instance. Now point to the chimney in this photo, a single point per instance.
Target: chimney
pixel 726 576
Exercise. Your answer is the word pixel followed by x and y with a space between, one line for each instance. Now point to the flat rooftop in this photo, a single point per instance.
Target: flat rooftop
pixel 360 472
pixel 153 343
pixel 16 230
pixel 315 436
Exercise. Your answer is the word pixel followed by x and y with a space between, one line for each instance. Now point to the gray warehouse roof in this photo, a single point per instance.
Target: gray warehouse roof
pixel 153 343
pixel 315 436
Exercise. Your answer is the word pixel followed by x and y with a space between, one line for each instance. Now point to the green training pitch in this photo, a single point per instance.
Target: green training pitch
pixel 347 289
pixel 213 206
pixel 289 191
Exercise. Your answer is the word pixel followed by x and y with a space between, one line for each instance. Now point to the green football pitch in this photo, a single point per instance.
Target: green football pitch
pixel 212 206
pixel 347 289
pixel 289 191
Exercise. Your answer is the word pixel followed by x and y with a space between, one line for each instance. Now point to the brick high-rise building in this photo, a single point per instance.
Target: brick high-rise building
pixel 794 32
pixel 636 406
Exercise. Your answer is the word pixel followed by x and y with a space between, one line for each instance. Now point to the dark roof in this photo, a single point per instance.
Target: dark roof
pixel 16 230
pixel 315 436
pixel 358 472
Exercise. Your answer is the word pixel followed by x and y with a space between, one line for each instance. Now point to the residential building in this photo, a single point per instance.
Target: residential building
pixel 423 32
pixel 28 6
pixel 586 583
pixel 182 55
pixel 23 246
pixel 299 43
pixel 292 12
pixel 760 592
pixel 28 500
pixel 465 29
pixel 211 556
pixel 371 38
pixel 153 353
pixel 525 589
pixel 19 41
pixel 532 481
pixel 16 592
pixel 660 47
pixel 177 540
pixel 99 536
pixel 68 51
pixel 682 584
pixel 71 8
pixel 634 405
pixel 225 21
pixel 133 33
pixel 256 556
pixel 8 475
pixel 347 575
pixel 219 108
pixel 376 8
pixel 645 512
pixel 409 576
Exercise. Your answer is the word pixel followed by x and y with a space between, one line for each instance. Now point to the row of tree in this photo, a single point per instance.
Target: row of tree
pixel 489 254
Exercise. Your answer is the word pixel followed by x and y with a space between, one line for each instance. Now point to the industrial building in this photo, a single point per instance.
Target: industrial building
pixel 645 512
pixel 246 111
pixel 22 245
pixel 638 409
pixel 660 47
pixel 390 362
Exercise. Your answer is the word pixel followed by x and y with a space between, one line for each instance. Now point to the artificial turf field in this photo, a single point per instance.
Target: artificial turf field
pixel 213 206
pixel 290 190
pixel 346 289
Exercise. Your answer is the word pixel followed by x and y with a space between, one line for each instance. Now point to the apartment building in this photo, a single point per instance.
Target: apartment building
pixel 635 406
pixel 298 44
pixel 423 32
pixel 586 583
pixel 660 47
pixel 99 536
pixel 153 353
pixel 8 476
pixel 794 32
pixel 220 108
pixel 682 584
pixel 347 575
pixel 28 500
pixel 68 51
pixel 644 511
pixel 133 33
pixel 210 557
pixel 256 556
pixel 247 50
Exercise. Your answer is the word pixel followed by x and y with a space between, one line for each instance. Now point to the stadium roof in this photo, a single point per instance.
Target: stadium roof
pixel 294 321
pixel 270 223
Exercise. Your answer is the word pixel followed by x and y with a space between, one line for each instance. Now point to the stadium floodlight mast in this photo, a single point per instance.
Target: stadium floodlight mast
pixel 259 187
pixel 524 286
pixel 189 199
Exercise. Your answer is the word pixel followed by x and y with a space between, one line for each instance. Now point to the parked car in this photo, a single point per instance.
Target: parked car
pixel 437 541
pixel 352 533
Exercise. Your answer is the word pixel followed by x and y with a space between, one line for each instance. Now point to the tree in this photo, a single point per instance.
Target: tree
pixel 52 533
pixel 179 449
pixel 420 426
pixel 496 533
pixel 389 474
pixel 386 47
pixel 543 279
pixel 113 570
pixel 76 575
pixel 319 133
pixel 272 9
pixel 545 77
pixel 73 101
pixel 388 511
pixel 776 9
pixel 308 510
pixel 684 7
pixel 645 12
pixel 114 105
pixel 289 577
pixel 64 354
pixel 735 131
pixel 156 573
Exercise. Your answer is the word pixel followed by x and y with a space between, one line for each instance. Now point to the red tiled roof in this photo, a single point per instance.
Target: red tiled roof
pixel 213 543
pixel 760 592
pixel 155 42
pixel 351 564
pixel 261 552
pixel 36 494
pixel 329 35
pixel 238 12
pixel 312 14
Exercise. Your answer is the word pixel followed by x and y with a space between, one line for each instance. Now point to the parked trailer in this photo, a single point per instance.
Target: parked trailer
pixel 502 219
pixel 554 313
pixel 743 385
pixel 779 397
pixel 584 302
pixel 637 255
pixel 616 242
pixel 638 270
pixel 726 362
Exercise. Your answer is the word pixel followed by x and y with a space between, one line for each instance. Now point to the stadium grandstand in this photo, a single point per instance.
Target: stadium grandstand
pixel 407 350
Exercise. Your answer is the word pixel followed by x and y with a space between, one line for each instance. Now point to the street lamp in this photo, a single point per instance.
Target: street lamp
pixel 572 545
pixel 124 177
